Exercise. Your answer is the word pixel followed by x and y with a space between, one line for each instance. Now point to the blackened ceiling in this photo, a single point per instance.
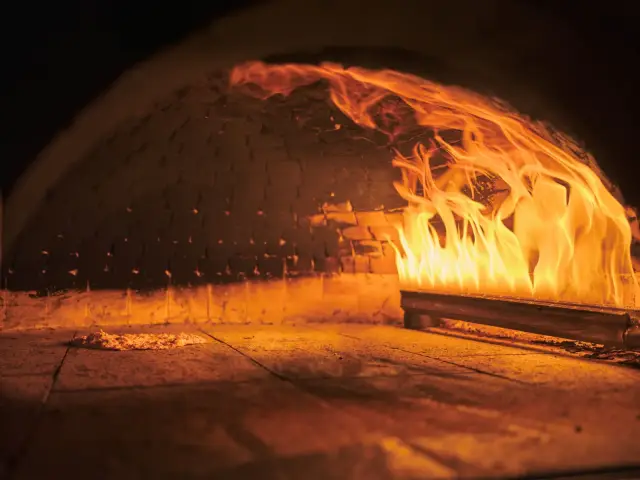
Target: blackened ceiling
pixel 68 53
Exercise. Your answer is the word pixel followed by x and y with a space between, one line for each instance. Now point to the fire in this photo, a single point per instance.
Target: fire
pixel 549 230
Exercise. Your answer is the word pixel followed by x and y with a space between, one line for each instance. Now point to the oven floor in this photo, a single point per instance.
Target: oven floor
pixel 347 401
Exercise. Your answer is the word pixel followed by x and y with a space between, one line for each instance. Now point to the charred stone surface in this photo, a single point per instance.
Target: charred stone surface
pixel 214 186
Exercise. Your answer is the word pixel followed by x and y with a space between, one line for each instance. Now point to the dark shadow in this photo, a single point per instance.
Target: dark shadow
pixel 68 53
pixel 18 418
pixel 249 423
pixel 243 429
pixel 218 200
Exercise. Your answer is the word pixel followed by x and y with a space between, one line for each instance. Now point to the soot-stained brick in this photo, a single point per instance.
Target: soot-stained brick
pixel 208 185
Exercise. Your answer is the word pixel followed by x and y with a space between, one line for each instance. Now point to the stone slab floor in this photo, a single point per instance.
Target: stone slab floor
pixel 313 402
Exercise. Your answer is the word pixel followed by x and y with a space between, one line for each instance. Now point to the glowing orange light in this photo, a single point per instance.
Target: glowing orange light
pixel 549 229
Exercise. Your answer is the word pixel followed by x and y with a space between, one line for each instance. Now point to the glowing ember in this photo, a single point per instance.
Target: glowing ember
pixel 549 230
pixel 137 341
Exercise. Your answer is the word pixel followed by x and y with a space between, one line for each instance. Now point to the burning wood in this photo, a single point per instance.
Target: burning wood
pixel 137 341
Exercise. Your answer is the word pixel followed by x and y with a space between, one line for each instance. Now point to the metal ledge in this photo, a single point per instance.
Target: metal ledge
pixel 608 326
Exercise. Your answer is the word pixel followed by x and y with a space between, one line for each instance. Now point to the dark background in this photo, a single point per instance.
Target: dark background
pixel 65 54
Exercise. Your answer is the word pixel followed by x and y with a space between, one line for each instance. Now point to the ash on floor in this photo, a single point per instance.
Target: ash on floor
pixel 136 341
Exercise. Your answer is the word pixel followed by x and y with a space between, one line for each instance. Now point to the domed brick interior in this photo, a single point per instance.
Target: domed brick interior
pixel 142 159
pixel 214 186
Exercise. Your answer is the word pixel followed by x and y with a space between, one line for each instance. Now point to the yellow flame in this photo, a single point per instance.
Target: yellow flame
pixel 516 210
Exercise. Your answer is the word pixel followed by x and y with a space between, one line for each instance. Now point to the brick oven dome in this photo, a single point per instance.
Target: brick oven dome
pixel 169 172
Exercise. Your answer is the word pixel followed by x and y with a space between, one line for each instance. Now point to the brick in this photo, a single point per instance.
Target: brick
pixel 319 189
pixel 386 194
pixel 242 266
pixel 372 219
pixel 197 154
pixel 357 233
pixel 315 165
pixel 267 302
pixel 325 241
pixel 280 248
pixel 395 219
pixel 357 195
pixel 223 186
pixel 342 218
pixel 371 248
pixel 362 264
pixel 385 263
pixel 284 172
pixel 385 233
pixel 286 241
pixel 213 270
pixel 280 218
pixel 382 176
pixel 348 264
pixel 271 266
pixel 345 246
pixel 279 196
pixel 182 271
pixel 329 265
pixel 335 208
pixel 306 205
pixel 355 264
pixel 300 264
pixel 262 142
pixel 231 152
pixel 318 220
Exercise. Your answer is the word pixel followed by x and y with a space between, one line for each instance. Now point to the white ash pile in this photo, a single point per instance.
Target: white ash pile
pixel 136 341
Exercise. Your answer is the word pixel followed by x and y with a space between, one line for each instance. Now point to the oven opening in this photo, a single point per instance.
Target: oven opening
pixel 321 191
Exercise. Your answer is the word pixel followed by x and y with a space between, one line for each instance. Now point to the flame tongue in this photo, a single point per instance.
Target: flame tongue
pixel 550 230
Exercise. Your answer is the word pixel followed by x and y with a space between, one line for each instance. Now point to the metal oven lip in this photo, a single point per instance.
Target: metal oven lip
pixel 609 326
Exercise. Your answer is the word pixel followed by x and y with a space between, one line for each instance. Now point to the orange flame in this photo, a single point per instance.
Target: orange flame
pixel 549 230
